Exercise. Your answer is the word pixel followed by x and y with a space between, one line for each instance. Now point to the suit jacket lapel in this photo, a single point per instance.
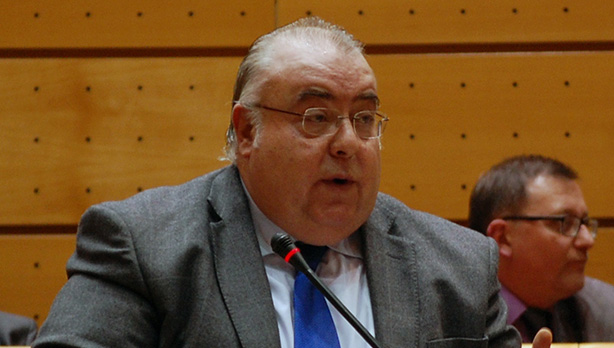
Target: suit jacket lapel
pixel 238 263
pixel 392 275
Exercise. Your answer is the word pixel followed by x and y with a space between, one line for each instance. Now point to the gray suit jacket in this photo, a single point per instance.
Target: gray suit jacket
pixel 181 267
pixel 16 330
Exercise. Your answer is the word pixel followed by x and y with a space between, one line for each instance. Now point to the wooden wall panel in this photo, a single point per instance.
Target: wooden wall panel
pixel 461 21
pixel 33 271
pixel 234 23
pixel 79 131
pixel 454 116
pixel 135 23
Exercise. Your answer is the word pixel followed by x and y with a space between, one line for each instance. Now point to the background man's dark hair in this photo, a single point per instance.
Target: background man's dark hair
pixel 502 189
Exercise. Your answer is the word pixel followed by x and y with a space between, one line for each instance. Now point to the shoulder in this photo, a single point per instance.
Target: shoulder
pixel 597 295
pixel 16 329
pixel 177 216
pixel 596 306
pixel 415 223
pixel 167 203
pixel 428 231
pixel 185 193
pixel 17 321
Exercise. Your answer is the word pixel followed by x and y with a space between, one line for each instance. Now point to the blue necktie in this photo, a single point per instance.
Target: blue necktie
pixel 313 323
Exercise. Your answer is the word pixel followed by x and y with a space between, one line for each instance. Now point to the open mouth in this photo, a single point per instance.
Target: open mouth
pixel 340 181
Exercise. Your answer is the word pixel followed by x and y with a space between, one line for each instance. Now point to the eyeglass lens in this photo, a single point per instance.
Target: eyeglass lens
pixel 322 121
pixel 572 224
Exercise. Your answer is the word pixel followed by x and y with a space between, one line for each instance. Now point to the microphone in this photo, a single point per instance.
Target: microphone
pixel 284 246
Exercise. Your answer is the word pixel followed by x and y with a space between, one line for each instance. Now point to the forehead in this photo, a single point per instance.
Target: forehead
pixel 554 195
pixel 306 70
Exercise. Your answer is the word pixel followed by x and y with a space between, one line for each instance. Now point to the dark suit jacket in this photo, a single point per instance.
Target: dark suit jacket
pixel 588 316
pixel 181 267
pixel 16 330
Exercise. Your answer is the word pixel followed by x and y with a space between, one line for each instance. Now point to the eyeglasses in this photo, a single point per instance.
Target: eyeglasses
pixel 368 124
pixel 570 225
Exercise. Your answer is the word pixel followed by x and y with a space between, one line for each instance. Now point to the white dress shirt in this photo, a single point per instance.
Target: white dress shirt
pixel 341 269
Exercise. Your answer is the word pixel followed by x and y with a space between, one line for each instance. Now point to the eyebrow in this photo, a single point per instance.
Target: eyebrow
pixel 573 213
pixel 315 92
pixel 324 94
pixel 370 96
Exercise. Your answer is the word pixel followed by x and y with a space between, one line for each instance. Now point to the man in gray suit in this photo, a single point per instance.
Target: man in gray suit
pixel 191 265
pixel 534 209
pixel 16 330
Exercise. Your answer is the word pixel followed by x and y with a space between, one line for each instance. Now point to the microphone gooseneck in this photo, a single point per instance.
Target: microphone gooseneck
pixel 283 245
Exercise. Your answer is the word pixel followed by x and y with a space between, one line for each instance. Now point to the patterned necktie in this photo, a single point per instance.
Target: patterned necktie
pixel 313 323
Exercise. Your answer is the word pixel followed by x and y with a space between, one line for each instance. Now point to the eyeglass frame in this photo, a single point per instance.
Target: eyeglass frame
pixel 381 124
pixel 591 224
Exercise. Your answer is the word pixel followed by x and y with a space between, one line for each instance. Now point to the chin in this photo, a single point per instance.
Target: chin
pixel 336 233
pixel 320 233
pixel 321 238
pixel 573 285
pixel 338 217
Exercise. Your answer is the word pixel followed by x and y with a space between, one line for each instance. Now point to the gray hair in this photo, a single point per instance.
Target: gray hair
pixel 502 190
pixel 260 58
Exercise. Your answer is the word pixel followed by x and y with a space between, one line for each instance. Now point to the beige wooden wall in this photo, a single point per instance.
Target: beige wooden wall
pixel 104 98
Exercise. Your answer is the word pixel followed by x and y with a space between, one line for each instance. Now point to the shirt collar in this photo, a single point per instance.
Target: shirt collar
pixel 266 229
pixel 515 307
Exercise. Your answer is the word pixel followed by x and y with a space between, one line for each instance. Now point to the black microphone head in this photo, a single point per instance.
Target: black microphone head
pixel 282 244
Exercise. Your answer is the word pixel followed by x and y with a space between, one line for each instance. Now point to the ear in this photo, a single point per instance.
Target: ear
pixel 498 229
pixel 244 130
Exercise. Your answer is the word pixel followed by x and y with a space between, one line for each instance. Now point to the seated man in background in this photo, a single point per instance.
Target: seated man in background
pixel 533 207
pixel 16 330
pixel 192 265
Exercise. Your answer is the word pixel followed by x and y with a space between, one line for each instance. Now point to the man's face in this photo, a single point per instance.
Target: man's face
pixel 549 265
pixel 319 189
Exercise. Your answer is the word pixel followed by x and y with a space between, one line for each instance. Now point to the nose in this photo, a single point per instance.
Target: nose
pixel 344 142
pixel 584 239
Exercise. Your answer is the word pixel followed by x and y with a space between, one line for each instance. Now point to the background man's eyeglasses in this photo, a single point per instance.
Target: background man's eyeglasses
pixel 368 124
pixel 570 225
